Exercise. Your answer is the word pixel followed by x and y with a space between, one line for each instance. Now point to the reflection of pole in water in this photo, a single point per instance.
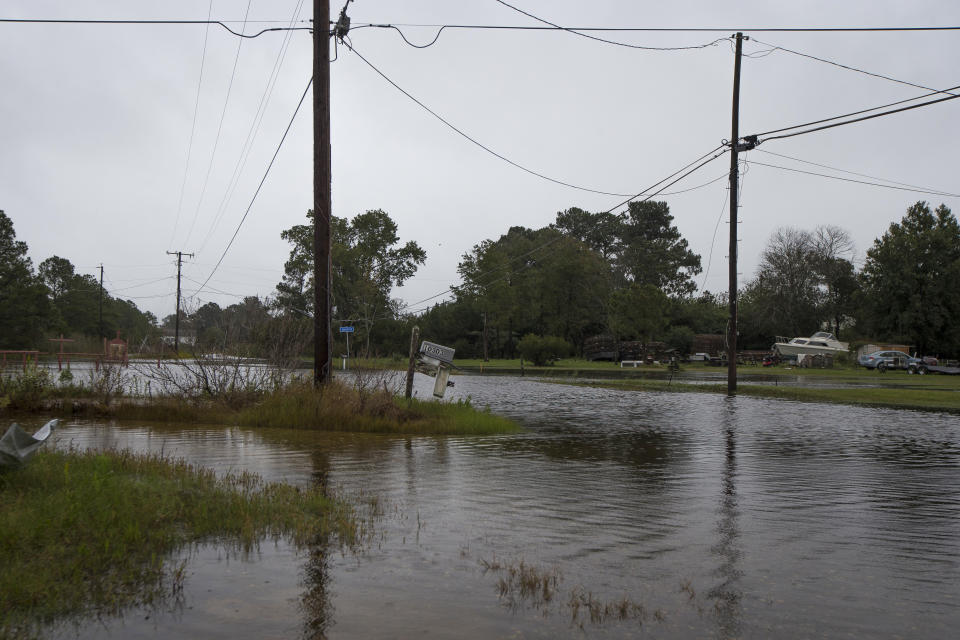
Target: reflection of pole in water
pixel 316 604
pixel 727 595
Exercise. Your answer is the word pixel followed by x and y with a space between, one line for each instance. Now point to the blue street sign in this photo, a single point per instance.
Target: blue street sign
pixel 346 329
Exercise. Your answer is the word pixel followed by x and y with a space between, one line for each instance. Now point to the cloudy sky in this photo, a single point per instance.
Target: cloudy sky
pixel 98 165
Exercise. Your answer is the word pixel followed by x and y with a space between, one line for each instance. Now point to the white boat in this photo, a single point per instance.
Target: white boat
pixel 819 343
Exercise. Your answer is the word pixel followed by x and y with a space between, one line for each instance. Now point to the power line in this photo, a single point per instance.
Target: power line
pixel 855 113
pixel 873 184
pixel 157 22
pixel 253 132
pixel 193 127
pixel 257 192
pixel 699 162
pixel 870 117
pixel 604 40
pixel 477 142
pixel 496 27
pixel 775 47
pixel 216 141
pixel 854 173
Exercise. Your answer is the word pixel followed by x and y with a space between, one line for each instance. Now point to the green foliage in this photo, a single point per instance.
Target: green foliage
pixel 561 291
pixel 911 278
pixel 89 534
pixel 543 350
pixel 366 264
pixel 26 391
pixel 638 312
pixel 24 308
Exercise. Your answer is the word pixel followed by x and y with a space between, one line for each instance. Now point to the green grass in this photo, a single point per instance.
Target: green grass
pixel 938 394
pixel 90 534
pixel 342 408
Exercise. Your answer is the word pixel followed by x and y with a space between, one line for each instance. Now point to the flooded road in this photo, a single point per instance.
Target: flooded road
pixel 664 515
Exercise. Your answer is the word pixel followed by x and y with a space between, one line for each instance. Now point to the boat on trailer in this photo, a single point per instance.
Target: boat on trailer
pixel 820 343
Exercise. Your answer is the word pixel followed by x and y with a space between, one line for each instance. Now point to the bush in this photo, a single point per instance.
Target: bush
pixel 542 351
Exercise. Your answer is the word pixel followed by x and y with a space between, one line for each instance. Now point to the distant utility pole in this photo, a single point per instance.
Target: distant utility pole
pixel 735 147
pixel 176 334
pixel 322 341
pixel 100 314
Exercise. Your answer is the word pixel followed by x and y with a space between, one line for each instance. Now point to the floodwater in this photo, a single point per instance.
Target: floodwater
pixel 673 515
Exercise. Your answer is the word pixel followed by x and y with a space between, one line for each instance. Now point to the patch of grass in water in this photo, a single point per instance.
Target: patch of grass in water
pixel 335 407
pixel 85 534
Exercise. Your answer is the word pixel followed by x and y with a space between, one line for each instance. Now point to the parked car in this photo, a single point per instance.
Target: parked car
pixel 887 360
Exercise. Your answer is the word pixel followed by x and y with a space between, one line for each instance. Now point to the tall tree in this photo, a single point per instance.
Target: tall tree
pixel 23 297
pixel 910 279
pixel 367 263
pixel 654 252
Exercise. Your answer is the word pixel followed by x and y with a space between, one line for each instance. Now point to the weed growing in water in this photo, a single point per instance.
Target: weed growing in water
pixel 84 534
pixel 520 584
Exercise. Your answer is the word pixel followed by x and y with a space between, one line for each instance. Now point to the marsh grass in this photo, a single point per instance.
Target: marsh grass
pixel 85 534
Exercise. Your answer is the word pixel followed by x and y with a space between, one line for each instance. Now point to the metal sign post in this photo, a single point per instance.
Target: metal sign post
pixel 347 331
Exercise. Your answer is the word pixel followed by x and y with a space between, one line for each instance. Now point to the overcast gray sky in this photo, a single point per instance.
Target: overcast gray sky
pixel 95 128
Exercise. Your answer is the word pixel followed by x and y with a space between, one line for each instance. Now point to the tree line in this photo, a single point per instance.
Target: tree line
pixel 54 299
pixel 630 276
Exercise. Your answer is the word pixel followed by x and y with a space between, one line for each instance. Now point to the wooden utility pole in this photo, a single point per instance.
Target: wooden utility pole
pixel 322 342
pixel 486 356
pixel 176 322
pixel 734 221
pixel 100 311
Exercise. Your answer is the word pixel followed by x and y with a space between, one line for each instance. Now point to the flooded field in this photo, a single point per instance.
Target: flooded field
pixel 616 514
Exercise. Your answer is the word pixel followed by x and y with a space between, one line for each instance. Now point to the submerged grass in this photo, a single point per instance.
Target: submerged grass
pixel 85 534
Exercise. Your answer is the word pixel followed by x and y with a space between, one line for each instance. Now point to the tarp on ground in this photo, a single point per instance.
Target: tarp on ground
pixel 17 445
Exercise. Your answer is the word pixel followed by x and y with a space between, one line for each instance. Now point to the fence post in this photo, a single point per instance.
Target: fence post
pixel 414 337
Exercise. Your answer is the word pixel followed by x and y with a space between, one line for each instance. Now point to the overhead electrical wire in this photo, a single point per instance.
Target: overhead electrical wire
pixel 221 23
pixel 852 121
pixel 604 40
pixel 776 47
pixel 252 132
pixel 873 184
pixel 503 27
pixel 670 180
pixel 477 142
pixel 193 129
pixel 855 113
pixel 260 186
pixel 216 140
pixel 854 173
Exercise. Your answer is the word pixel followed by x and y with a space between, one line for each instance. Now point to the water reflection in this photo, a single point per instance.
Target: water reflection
pixel 316 605
pixel 728 593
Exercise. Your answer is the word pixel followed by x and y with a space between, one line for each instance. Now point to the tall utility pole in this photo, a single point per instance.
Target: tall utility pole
pixel 322 342
pixel 734 221
pixel 176 322
pixel 100 312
